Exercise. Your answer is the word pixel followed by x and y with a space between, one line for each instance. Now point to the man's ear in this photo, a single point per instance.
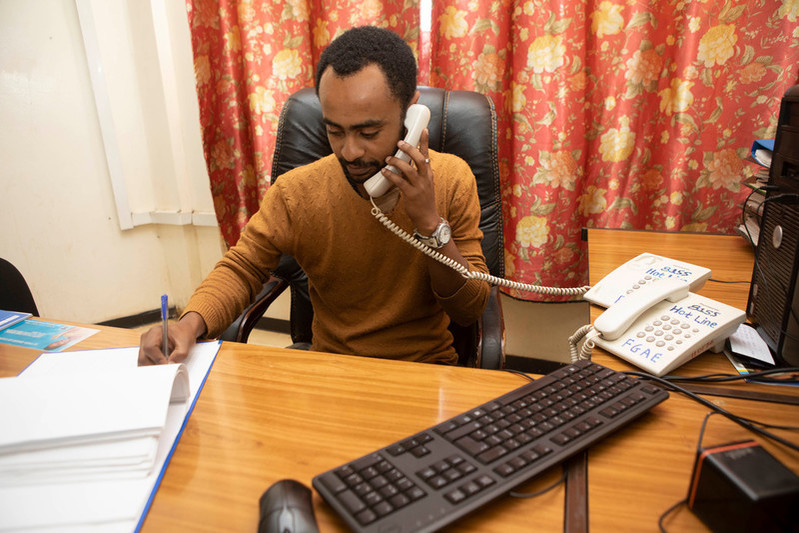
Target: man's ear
pixel 415 98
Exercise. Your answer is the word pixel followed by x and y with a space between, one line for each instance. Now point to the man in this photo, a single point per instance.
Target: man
pixel 372 293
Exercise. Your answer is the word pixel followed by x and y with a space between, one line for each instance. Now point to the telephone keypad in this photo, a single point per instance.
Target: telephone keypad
pixel 666 331
pixel 637 285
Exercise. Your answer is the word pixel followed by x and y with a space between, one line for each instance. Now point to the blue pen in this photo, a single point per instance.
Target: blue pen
pixel 164 313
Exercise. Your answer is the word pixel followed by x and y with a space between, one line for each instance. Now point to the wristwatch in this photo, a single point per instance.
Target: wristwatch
pixel 440 237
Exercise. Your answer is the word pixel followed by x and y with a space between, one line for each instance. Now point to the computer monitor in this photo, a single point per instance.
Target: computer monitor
pixel 773 304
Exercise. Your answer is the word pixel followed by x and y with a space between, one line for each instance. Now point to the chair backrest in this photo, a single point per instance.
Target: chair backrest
pixel 15 295
pixel 463 123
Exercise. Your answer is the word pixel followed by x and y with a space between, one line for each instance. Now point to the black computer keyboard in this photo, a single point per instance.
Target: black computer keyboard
pixel 437 476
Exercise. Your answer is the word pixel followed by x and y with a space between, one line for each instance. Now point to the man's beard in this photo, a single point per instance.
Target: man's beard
pixel 359 171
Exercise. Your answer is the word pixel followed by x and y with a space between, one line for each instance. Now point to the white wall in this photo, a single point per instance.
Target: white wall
pixel 61 226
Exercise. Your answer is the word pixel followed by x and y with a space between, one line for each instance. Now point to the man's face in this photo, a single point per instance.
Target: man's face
pixel 362 118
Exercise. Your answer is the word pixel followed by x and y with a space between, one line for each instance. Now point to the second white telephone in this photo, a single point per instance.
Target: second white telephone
pixel 662 325
pixel 640 271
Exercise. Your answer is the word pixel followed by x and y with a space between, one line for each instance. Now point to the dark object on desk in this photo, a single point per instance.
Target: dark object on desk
pixel 15 295
pixel 286 507
pixel 463 123
pixel 435 477
pixel 773 294
pixel 741 487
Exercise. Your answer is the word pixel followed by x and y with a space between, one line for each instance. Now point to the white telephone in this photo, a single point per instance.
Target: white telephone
pixel 662 325
pixel 641 271
pixel 416 120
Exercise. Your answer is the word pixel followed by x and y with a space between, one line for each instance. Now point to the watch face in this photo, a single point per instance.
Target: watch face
pixel 445 234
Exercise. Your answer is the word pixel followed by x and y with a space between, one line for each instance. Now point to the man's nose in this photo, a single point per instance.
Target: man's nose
pixel 352 148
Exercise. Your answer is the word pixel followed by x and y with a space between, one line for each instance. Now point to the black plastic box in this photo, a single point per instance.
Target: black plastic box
pixel 740 486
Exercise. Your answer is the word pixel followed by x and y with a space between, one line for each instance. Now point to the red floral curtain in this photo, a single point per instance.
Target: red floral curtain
pixel 612 113
pixel 249 56
pixel 618 113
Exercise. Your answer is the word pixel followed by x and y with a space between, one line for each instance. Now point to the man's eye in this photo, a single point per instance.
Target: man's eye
pixel 369 134
pixel 335 133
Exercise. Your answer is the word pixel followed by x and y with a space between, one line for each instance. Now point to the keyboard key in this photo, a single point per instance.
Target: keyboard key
pixel 351 501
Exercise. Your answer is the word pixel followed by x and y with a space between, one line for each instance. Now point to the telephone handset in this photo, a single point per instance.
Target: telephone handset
pixel 641 271
pixel 662 326
pixel 416 120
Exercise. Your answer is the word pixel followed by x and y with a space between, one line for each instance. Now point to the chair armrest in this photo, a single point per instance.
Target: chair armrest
pixel 491 344
pixel 239 330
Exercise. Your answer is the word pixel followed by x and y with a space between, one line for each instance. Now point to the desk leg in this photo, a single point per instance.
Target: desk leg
pixel 575 519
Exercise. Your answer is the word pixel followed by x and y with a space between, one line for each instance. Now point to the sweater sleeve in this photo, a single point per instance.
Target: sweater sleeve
pixel 239 276
pixel 463 214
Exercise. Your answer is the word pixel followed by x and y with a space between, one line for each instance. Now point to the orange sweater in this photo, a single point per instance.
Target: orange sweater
pixel 370 291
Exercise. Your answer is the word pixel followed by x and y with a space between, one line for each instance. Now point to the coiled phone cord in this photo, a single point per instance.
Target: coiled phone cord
pixel 465 272
pixel 584 353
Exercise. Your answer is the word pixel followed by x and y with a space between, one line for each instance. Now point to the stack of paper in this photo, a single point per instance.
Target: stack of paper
pixel 86 436
pixel 85 425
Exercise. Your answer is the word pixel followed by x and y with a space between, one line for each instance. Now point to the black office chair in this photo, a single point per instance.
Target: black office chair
pixel 15 295
pixel 463 123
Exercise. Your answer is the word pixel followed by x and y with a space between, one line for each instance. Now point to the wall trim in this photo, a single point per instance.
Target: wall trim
pixel 153 316
pixel 141 319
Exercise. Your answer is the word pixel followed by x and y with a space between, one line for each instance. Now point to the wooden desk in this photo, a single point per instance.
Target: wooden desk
pixel 268 413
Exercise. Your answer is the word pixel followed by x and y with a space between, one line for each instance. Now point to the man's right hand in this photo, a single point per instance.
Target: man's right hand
pixel 182 336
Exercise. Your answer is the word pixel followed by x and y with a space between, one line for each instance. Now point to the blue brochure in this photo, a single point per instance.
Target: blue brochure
pixel 45 336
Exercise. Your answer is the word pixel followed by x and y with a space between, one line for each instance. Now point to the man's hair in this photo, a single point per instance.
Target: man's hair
pixel 362 46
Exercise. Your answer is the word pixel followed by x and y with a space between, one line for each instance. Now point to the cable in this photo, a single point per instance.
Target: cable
pixel 698 451
pixel 752 376
pixel 539 492
pixel 519 372
pixel 741 421
pixel 788 198
pixel 465 272
pixel 590 333
pixel 667 512
pixel 729 281
pixel 702 431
